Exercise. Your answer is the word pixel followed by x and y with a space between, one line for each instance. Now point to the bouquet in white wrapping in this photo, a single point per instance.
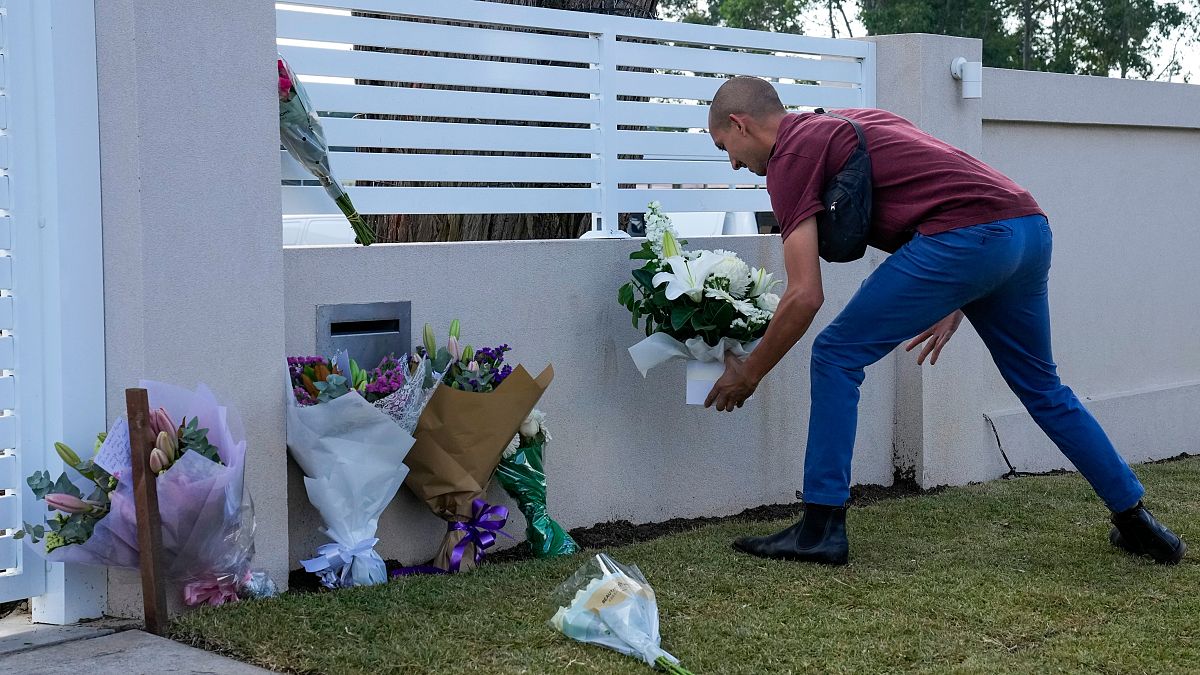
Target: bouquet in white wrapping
pixel 348 430
pixel 611 604
pixel 697 305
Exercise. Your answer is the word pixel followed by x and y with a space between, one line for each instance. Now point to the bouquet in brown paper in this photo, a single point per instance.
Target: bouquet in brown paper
pixel 460 438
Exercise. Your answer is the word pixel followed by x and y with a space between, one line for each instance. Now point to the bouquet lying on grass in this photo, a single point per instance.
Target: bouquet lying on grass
pixel 611 604
pixel 460 437
pixel 207 518
pixel 696 305
pixel 349 430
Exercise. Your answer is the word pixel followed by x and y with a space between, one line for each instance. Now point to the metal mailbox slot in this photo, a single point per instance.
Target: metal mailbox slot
pixel 368 331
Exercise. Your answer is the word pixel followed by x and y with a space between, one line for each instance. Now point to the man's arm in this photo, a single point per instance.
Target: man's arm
pixel 797 307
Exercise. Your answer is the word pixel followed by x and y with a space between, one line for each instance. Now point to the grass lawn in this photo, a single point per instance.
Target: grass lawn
pixel 1011 576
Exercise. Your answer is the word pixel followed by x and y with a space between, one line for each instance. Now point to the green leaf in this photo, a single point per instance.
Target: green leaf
pixel 644 277
pixel 646 252
pixel 19 534
pixel 680 315
pixel 625 295
pixel 64 486
pixel 40 483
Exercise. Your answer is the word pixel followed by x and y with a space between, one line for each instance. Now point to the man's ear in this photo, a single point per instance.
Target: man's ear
pixel 738 122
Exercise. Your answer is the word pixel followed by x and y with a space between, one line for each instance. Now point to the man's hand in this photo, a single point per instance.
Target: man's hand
pixel 734 387
pixel 940 332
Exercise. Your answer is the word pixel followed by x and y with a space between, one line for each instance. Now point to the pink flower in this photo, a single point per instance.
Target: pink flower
pixel 285 82
pixel 160 422
pixel 67 503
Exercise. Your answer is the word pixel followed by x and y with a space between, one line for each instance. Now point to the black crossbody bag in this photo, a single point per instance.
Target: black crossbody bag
pixel 843 226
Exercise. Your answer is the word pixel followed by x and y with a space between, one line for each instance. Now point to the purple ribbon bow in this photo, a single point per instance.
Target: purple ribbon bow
pixel 485 522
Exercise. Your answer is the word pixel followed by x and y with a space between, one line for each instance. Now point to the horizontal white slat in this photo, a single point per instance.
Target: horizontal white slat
pixel 635 201
pixel 6 313
pixel 701 60
pixel 439 70
pixel 10 552
pixel 346 132
pixel 703 88
pixel 7 359
pixel 10 469
pixel 585 22
pixel 668 143
pixel 5 232
pixel 393 166
pixel 10 512
pixel 458 104
pixel 432 37
pixel 675 172
pixel 8 393
pixel 662 114
pixel 5 271
pixel 446 200
pixel 8 434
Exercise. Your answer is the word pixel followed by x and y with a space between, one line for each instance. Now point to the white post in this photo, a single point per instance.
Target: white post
pixel 608 226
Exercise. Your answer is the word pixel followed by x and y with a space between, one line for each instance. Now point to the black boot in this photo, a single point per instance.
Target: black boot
pixel 1137 532
pixel 819 537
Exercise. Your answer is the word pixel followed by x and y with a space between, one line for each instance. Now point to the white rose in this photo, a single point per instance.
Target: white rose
pixel 768 302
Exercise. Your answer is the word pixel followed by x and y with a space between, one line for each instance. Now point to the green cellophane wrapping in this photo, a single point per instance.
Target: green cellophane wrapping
pixel 524 478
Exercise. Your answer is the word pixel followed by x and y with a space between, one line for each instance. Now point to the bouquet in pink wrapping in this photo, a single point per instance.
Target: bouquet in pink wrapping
pixel 207 516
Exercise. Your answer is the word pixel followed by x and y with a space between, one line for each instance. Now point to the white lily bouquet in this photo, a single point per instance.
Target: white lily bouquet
pixel 697 305
pixel 611 604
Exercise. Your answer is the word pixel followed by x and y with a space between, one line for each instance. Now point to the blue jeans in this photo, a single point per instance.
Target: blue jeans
pixel 996 273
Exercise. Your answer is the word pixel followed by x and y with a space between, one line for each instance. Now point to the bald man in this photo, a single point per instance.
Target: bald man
pixel 964 240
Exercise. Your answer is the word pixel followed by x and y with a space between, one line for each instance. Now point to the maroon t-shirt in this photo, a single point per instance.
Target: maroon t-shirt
pixel 920 183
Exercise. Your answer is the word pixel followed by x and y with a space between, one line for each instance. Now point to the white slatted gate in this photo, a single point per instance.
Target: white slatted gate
pixel 21 576
pixel 632 92
pixel 51 282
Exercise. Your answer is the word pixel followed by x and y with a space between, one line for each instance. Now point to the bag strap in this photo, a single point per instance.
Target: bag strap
pixel 862 139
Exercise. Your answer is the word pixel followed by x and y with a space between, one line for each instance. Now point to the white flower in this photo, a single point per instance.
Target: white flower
pixel 720 294
pixel 739 323
pixel 656 226
pixel 736 272
pixel 531 427
pixel 768 302
pixel 762 282
pixel 535 423
pixel 687 276
pixel 746 308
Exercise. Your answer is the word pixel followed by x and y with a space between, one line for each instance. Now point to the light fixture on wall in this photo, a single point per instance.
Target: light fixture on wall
pixel 971 74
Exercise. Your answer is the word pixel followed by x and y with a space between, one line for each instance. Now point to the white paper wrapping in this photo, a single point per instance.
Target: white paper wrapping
pixel 352 455
pixel 706 363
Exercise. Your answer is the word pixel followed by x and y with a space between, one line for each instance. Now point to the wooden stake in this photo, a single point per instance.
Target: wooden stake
pixel 149 523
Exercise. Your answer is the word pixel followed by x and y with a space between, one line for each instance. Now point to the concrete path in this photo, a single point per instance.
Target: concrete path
pixel 130 652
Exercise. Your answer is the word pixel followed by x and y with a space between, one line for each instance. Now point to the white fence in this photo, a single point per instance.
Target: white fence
pixel 627 99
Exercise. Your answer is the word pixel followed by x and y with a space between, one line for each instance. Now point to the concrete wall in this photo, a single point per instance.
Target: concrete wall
pixel 1114 163
pixel 192 248
pixel 623 447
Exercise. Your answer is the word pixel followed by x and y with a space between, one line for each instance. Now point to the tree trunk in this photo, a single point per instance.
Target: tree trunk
pixel 1027 38
pixel 495 226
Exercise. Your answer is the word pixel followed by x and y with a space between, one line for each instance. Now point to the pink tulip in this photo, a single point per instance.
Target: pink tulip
pixel 473 366
pixel 67 503
pixel 454 349
pixel 160 422
pixel 159 461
